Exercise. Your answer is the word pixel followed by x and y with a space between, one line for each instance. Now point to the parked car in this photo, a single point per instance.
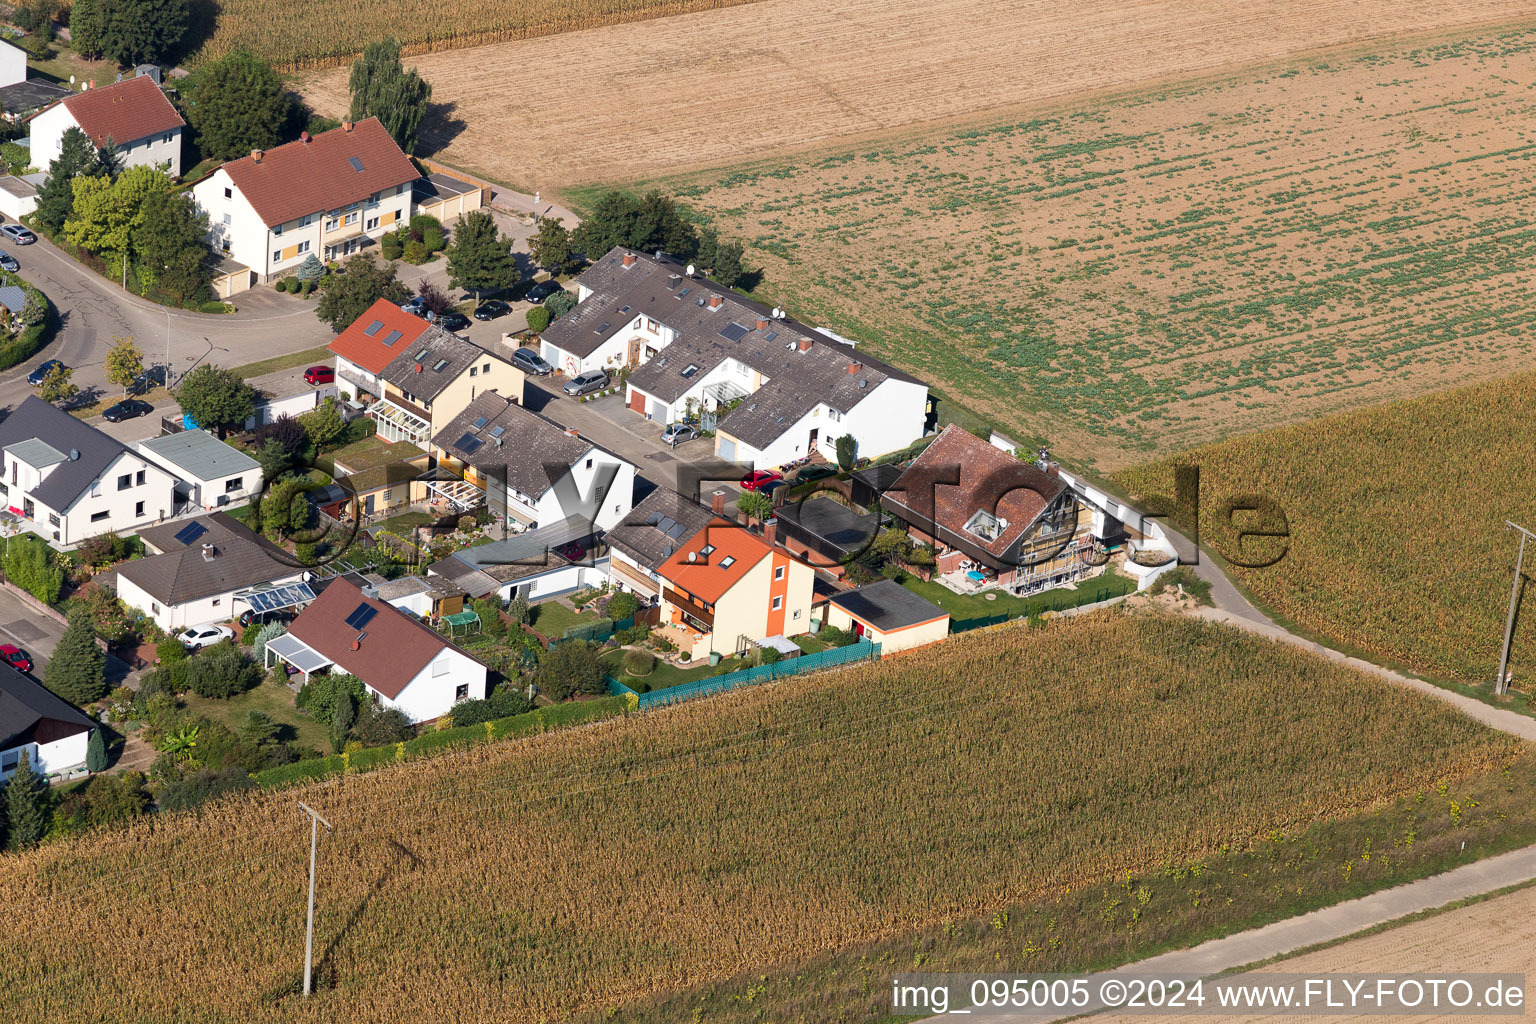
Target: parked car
pixel 491 309
pixel 9 262
pixel 592 380
pixel 529 361
pixel 415 304
pixel 820 471
pixel 127 409
pixel 450 320
pixel 36 376
pixel 571 552
pixel 15 657
pixel 758 479
pixel 541 291
pixel 18 233
pixel 320 375
pixel 199 637
pixel 250 615
pixel 677 433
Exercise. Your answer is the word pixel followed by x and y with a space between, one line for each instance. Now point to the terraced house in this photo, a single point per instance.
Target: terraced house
pixel 133 115
pixel 325 195
pixel 772 389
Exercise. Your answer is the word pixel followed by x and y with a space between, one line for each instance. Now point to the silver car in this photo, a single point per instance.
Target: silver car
pixel 592 380
pixel 677 433
pixel 529 361
pixel 8 262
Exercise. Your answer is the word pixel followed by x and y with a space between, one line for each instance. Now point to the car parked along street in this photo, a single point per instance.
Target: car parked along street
pixel 491 309
pixel 37 376
pixel 8 262
pixel 127 409
pixel 18 233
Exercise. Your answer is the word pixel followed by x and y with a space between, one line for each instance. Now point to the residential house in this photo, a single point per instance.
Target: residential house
pixel 645 538
pixel 402 662
pixel 67 481
pixel 528 565
pixel 209 569
pixel 53 733
pixel 13 65
pixel 890 615
pixel 429 376
pixel 772 389
pixel 725 589
pixel 1015 523
pixel 326 195
pixel 529 469
pixel 209 473
pixel 133 115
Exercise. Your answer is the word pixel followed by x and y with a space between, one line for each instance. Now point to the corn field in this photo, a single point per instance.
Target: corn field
pixel 533 880
pixel 1396 513
pixel 294 34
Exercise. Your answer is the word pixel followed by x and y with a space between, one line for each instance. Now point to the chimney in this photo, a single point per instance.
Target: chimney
pixel 346 126
pixel 854 368
pixel 771 531
pixel 418 367
pixel 717 503
pixel 209 552
pixel 715 301
pixel 762 324
pixel 256 155
pixel 1053 470
pixel 573 432
pixel 629 259
pixel 805 344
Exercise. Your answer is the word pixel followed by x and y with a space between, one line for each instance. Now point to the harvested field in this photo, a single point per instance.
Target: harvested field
pixel 288 33
pixel 1148 273
pixel 1396 517
pixel 596 868
pixel 632 101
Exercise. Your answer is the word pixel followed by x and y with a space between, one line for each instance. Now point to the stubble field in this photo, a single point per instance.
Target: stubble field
pixel 1149 273
pixel 599 868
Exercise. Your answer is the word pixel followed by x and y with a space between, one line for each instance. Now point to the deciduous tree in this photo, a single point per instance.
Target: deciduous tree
pixel 480 259
pixel 215 397
pixel 169 246
pixel 56 198
pixel 347 296
pixel 236 104
pixel 124 363
pixel 127 31
pixel 58 385
pixel 550 246
pixel 107 212
pixel 382 88
pixel 323 426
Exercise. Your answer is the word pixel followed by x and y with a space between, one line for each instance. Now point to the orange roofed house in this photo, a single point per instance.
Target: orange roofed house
pixel 324 195
pixel 724 589
pixel 133 115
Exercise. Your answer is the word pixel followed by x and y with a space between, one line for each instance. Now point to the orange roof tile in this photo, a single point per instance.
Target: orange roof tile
pixel 713 572
pixel 367 342
pixel 124 111
pixel 329 171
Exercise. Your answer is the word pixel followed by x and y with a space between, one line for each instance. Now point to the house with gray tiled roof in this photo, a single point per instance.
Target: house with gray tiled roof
pixel 773 389
pixel 65 480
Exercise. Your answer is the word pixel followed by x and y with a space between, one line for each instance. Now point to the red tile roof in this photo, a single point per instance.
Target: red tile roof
pixel 368 346
pixel 309 177
pixel 960 474
pixel 707 577
pixel 124 111
pixel 394 650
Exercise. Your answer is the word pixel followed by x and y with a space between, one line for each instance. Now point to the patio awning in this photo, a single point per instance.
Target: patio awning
pixel 298 654
pixel 460 493
pixel 276 598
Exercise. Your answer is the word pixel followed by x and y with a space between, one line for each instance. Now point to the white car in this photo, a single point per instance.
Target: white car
pixel 199 637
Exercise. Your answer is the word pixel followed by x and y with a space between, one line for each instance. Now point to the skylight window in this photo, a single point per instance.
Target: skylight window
pixel 601 327
pixel 727 562
pixel 357 165
pixel 685 291
pixel 392 337
pixel 480 421
pixel 625 309
pixel 423 354
pixel 690 369
pixel 438 366
pixel 706 550
pixel 374 328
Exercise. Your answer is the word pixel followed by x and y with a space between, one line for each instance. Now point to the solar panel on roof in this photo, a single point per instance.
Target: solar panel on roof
pixel 357 165
pixel 374 328
pixel 770 335
pixel 677 531
pixel 733 332
pixel 392 337
pixel 480 421
pixel 189 533
pixel 361 616
pixel 468 444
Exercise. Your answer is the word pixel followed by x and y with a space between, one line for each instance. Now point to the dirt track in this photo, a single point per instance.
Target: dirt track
pixel 632 101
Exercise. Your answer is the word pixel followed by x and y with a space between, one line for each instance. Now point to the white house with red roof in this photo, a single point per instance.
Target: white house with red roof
pixel 366 348
pixel 326 194
pixel 401 661
pixel 133 115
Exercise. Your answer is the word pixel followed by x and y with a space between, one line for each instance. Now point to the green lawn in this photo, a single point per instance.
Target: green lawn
pixel 552 618
pixel 372 451
pixel 665 674
pixel 275 700
pixel 973 606
pixel 809 644
pixel 290 361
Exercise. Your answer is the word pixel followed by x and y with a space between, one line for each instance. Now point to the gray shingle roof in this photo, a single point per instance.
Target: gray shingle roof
pixel 35 418
pixel 888 605
pixel 531 447
pixel 441 355
pixel 837 525
pixel 657 527
pixel 182 574
pixel 200 455
pixel 13 298
pixel 30 713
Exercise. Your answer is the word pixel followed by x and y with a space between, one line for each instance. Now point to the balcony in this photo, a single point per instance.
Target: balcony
pixel 704 619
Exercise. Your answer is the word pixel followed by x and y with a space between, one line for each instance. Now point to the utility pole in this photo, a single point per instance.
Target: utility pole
pixel 309 935
pixel 1500 686
pixel 167 380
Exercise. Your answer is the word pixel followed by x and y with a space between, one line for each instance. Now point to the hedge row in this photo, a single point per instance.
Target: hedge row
pixel 541 720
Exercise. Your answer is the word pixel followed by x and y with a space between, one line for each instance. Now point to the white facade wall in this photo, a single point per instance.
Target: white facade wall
pixel 419 605
pixel 308 400
pixel 557 581
pixel 234 226
pixel 100 508
pixel 13 65
pixel 574 493
pixel 345 367
pixel 214 492
pixel 433 692
pixel 889 418
pixel 47 758
pixel 47 131
pixel 173 618
pixel 14 206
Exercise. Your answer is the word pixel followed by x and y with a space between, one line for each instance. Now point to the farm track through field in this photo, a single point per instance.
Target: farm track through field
pixel 635 100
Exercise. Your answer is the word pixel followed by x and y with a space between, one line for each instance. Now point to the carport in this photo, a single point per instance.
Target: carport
pixel 294 652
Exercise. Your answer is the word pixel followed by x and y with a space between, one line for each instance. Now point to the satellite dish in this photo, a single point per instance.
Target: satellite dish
pixel 74 455
pixel 693 556
pixel 689 271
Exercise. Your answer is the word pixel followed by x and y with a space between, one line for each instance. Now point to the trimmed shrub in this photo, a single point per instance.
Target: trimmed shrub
pixel 538 319
pixel 639 663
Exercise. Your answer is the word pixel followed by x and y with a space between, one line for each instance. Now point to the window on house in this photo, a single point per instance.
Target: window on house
pixel 233 484
pixel 796 615
pixel 229 193
pixel 306 220
pixel 97 517
pixel 138 510
pixel 277 232
pixel 95 489
pixel 218 601
pixel 461 692
pixel 277 257
pixel 304 246
pixel 486 368
pixel 351 218
pixel 388 496
pixel 778 603
pixel 168 138
pixel 371 224
pixel 778 573
pixel 727 561
pixel 374 198
pixel 228 219
pixel 53 520
pixel 651 325
pixel 474 371
pixel 332 224
pixel 589 463
pixel 139 481
pixel 154 608
pixel 124 482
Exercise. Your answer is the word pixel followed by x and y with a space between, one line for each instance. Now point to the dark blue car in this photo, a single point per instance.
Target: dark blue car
pixel 36 376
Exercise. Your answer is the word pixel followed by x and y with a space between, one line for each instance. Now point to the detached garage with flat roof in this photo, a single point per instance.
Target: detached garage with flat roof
pixel 890 615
